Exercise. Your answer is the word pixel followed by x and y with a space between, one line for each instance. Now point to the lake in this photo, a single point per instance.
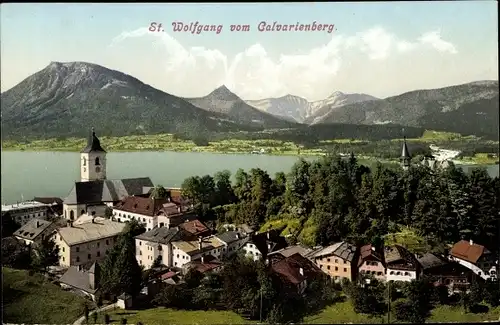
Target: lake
pixel 29 174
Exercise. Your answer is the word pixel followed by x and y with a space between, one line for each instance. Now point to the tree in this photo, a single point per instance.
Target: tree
pixel 107 319
pixel 193 278
pixel 94 317
pixel 86 312
pixel 9 225
pixel 108 212
pixel 159 192
pixel 45 254
pixel 15 253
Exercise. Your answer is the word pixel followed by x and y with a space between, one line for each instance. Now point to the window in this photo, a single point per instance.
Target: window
pixel 140 243
pixel 63 258
pixel 78 259
pixel 336 260
pixel 177 255
pixel 84 161
pixel 93 213
pixel 63 249
pixel 98 254
pixel 97 162
pixel 82 212
pixel 140 252
pixel 89 256
pixel 398 273
pixel 77 249
pixel 392 272
pixel 107 242
pixel 345 269
pixel 98 245
pixel 328 267
pixel 379 273
pixel 336 268
pixel 328 260
pixel 406 273
pixel 345 262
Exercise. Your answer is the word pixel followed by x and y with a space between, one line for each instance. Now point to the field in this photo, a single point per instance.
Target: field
pixel 476 150
pixel 339 313
pixel 33 299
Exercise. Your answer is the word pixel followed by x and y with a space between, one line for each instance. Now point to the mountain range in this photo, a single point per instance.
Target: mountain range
pixel 301 110
pixel 65 99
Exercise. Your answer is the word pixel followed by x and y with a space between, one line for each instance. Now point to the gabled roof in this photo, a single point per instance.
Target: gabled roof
pixel 141 205
pixel 397 254
pixel 106 190
pixel 291 250
pixel 367 252
pixel 289 268
pixel 343 250
pixel 33 229
pixel 77 279
pixel 195 227
pixel 229 236
pixel 163 235
pixel 90 231
pixel 468 251
pixel 268 242
pixel 93 144
pixel 430 260
pixel 192 247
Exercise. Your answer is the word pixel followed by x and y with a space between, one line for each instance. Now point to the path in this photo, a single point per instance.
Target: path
pixel 80 320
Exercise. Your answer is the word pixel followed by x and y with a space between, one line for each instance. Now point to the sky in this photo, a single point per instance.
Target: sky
pixel 378 48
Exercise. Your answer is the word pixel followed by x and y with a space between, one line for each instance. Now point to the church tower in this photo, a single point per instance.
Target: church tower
pixel 405 155
pixel 93 160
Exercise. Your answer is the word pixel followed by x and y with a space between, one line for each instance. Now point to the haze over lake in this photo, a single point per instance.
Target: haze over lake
pixel 29 174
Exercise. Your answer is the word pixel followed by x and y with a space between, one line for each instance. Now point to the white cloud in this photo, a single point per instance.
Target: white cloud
pixel 253 74
pixel 434 39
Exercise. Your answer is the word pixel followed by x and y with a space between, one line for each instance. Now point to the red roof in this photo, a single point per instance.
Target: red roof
pixel 468 251
pixel 168 275
pixel 289 268
pixel 141 205
pixel 195 227
pixel 367 252
pixel 209 263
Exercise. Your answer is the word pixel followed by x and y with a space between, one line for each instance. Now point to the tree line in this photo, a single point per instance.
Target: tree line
pixel 334 199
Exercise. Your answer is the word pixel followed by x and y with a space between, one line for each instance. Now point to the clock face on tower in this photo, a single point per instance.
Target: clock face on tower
pixel 98 169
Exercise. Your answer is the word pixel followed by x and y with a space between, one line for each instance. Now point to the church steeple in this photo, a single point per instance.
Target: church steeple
pixel 405 154
pixel 93 160
pixel 93 144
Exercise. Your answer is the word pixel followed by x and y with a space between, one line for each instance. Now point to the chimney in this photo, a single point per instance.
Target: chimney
pixel 200 242
pixel 471 242
pixel 179 209
pixel 269 235
pixel 203 259
pixel 237 236
pixel 37 224
pixel 301 271
pixel 93 219
pixel 373 248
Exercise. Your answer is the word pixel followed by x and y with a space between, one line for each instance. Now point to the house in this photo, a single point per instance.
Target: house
pixel 86 242
pixel 23 212
pixel 81 279
pixel 371 262
pixel 55 205
pixel 149 211
pixel 296 271
pixel 34 231
pixel 156 244
pixel 261 244
pixel 475 257
pixel 186 251
pixel 339 261
pixel 204 265
pixel 172 278
pixel 444 272
pixel 401 265
pixel 195 227
pixel 93 193
pixel 289 251
pixel 232 241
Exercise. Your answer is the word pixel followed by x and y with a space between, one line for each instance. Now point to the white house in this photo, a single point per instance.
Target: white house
pixel 186 251
pixel 23 212
pixel 401 265
pixel 261 244
pixel 476 258
pixel 233 241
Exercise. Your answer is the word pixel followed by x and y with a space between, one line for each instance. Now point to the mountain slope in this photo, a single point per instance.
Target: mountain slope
pixel 302 110
pixel 223 101
pixel 65 99
pixel 429 109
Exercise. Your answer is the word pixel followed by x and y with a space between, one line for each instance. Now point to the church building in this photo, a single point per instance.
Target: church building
pixel 94 192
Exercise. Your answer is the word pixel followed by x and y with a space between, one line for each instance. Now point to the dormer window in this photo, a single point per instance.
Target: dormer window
pixel 97 162
pixel 135 206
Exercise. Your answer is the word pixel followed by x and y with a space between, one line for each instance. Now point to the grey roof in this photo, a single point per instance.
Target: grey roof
pixel 343 250
pixel 93 144
pixel 90 231
pixel 405 153
pixel 32 229
pixel 77 279
pixel 161 235
pixel 106 190
pixel 430 260
pixel 290 250
pixel 229 236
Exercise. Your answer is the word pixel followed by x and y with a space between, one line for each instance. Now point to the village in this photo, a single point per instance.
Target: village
pixel 87 224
